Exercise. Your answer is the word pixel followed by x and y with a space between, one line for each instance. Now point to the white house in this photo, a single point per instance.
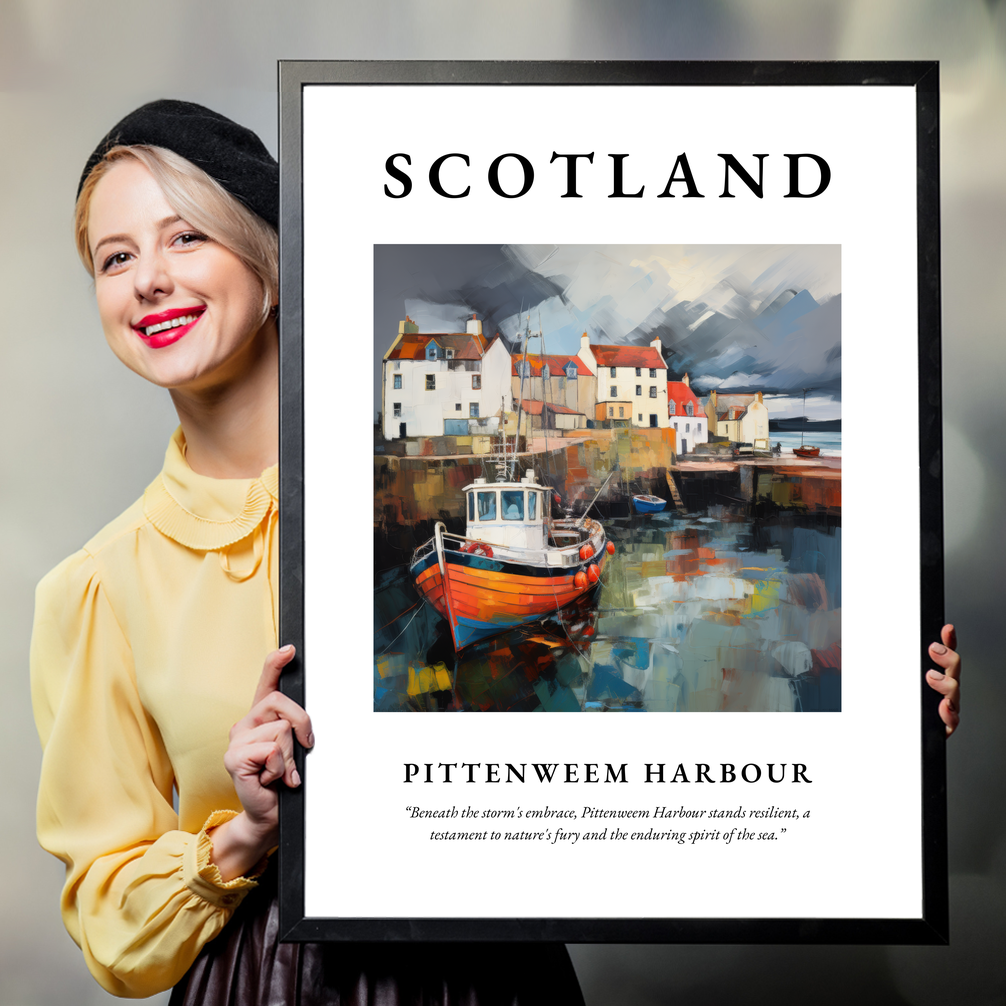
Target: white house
pixel 631 382
pixel 740 418
pixel 443 382
pixel 686 415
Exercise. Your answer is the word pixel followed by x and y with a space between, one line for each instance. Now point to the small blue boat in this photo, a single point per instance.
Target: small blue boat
pixel 648 504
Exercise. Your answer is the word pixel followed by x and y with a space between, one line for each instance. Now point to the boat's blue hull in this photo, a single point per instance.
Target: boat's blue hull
pixel 645 506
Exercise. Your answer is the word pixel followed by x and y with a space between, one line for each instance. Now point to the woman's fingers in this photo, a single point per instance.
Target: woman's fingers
pixel 259 761
pixel 274 735
pixel 949 636
pixel 277 706
pixel 947 680
pixel 271 671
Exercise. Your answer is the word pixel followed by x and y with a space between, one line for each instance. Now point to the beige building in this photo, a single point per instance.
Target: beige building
pixel 631 382
pixel 742 419
pixel 560 388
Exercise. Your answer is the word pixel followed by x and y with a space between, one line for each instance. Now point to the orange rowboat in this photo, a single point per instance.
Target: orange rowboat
pixel 512 566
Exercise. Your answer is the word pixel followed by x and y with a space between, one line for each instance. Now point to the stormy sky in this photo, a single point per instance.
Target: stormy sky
pixel 736 317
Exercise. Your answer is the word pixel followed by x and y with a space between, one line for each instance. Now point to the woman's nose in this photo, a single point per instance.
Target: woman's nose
pixel 152 277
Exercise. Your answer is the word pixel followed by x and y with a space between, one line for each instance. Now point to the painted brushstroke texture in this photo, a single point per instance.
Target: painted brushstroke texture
pixel 729 599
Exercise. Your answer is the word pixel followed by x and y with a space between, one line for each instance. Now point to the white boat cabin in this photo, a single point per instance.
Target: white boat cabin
pixel 511 514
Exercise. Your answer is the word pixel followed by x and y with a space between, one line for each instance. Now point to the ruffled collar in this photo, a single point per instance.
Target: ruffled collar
pixel 203 513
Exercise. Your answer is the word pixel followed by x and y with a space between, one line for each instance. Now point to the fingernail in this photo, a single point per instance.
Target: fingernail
pixel 936 676
pixel 310 740
pixel 286 649
pixel 938 648
pixel 295 777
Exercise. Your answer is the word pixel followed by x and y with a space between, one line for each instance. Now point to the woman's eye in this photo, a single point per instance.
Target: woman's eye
pixel 190 238
pixel 114 261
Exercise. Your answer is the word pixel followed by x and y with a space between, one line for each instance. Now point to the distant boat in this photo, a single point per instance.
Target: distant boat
pixel 645 503
pixel 514 565
pixel 808 451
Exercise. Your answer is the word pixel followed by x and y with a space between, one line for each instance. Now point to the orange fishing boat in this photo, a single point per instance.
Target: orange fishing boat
pixel 514 565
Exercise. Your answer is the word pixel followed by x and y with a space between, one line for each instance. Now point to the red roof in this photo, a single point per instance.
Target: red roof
pixel 465 346
pixel 556 364
pixel 533 408
pixel 628 356
pixel 680 394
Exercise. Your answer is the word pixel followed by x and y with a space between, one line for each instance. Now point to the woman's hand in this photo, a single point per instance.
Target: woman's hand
pixel 260 753
pixel 947 682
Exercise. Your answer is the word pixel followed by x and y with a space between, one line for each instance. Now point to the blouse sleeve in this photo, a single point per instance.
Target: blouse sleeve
pixel 141 898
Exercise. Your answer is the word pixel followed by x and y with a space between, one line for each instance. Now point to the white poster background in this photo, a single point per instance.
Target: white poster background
pixel 858 854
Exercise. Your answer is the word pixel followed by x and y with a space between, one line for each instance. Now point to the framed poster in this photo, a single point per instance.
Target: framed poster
pixel 612 388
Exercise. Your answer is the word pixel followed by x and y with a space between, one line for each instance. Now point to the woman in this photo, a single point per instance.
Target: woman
pixel 149 642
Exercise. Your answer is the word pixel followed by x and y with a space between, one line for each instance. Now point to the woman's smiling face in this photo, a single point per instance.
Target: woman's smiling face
pixel 177 308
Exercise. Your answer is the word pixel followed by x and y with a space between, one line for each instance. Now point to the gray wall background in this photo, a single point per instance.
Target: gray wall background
pixel 82 436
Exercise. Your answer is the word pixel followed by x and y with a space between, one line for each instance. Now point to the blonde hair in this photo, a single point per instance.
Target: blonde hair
pixel 199 200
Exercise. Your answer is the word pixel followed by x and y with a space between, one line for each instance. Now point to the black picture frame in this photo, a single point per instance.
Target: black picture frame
pixel 932 926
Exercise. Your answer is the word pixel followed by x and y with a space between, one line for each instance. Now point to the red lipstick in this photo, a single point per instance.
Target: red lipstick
pixel 167 325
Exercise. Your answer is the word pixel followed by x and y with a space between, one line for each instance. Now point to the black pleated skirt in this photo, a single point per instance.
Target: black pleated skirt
pixel 246 965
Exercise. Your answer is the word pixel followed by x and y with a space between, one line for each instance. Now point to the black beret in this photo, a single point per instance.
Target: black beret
pixel 230 154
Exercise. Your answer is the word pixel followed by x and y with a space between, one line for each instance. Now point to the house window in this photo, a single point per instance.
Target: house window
pixel 545 373
pixel 639 389
pixel 653 391
pixel 476 382
pixel 457 406
pixel 612 371
pixel 398 381
pixel 431 382
pixel 431 352
pixel 640 417
pixel 689 409
pixel 614 391
pixel 396 410
pixel 571 372
pixel 450 354
pixel 688 427
pixel 653 371
pixel 611 411
pixel 671 407
pixel 639 371
pixel 473 410
pixel 621 412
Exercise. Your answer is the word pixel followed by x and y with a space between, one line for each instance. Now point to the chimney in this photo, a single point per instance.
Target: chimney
pixel 584 340
pixel 474 326
pixel 759 398
pixel 657 344
pixel 685 381
pixel 407 327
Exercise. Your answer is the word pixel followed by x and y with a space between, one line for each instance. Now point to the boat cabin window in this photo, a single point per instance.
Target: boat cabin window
pixel 471 506
pixel 487 506
pixel 512 504
pixel 532 506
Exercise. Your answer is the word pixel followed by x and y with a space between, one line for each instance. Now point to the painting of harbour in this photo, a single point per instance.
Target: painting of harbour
pixel 607 478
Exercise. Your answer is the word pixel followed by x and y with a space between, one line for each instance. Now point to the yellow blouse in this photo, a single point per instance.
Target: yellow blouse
pixel 147 647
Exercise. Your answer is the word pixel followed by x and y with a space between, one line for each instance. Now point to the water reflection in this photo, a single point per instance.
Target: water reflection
pixel 722 612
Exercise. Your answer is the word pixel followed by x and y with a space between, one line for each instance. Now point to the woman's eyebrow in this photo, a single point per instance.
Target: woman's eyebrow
pixel 160 225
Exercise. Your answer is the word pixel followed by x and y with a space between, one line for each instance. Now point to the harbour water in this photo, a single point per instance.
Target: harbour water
pixel 735 606
pixel 830 443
